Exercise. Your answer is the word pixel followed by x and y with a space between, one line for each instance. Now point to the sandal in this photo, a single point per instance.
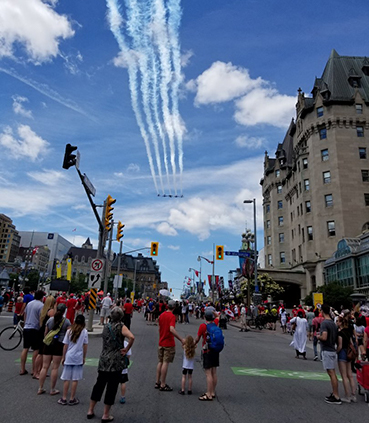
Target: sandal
pixel 54 392
pixel 166 388
pixel 41 391
pixel 204 397
pixel 23 373
pixel 157 385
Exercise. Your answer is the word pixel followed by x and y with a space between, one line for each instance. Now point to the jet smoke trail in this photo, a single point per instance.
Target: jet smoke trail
pixel 160 27
pixel 137 27
pixel 174 19
pixel 151 50
pixel 115 21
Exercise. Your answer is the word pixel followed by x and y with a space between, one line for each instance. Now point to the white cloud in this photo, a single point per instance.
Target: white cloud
pixel 133 167
pixel 224 82
pixel 185 58
pixel 166 229
pixel 50 177
pixel 256 101
pixel 18 107
pixel 174 247
pixel 244 141
pixel 35 25
pixel 29 145
pixel 265 106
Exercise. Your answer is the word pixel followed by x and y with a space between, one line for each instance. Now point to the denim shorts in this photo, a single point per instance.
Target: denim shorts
pixel 342 356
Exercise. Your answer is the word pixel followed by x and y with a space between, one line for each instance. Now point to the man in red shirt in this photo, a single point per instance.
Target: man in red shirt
pixel 128 311
pixel 62 299
pixel 166 351
pixel 71 308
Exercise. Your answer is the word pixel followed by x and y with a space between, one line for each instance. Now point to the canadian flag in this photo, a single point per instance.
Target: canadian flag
pixel 196 273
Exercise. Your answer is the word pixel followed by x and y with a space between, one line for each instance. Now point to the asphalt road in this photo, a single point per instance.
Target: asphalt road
pixel 259 380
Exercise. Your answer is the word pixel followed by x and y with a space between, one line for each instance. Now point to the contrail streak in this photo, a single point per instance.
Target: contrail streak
pixel 138 27
pixel 174 19
pixel 48 92
pixel 115 21
pixel 162 40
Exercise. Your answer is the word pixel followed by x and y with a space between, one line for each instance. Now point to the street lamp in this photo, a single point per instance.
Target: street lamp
pixel 255 246
pixel 213 277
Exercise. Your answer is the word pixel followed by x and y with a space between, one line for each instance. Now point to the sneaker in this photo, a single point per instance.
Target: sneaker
pixel 329 396
pixel 347 400
pixel 181 392
pixel 62 401
pixel 316 358
pixel 73 401
pixel 333 400
pixel 122 400
pixel 353 398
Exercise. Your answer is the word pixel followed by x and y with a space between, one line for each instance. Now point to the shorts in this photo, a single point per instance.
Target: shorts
pixel 342 356
pixel 105 312
pixel 360 341
pixel 185 371
pixel 55 348
pixel 210 359
pixel 124 378
pixel 311 328
pixel 166 354
pixel 72 372
pixel 32 338
pixel 329 360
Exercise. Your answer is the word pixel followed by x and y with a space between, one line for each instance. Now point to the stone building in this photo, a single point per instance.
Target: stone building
pixel 316 188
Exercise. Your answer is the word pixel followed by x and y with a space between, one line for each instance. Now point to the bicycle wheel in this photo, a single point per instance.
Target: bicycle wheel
pixel 10 338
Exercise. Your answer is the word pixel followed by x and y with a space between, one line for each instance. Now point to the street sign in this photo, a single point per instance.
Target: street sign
pixel 94 280
pixel 237 253
pixel 97 265
pixel 89 185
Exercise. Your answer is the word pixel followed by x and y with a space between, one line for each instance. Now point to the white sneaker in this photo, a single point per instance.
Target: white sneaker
pixel 344 399
pixel 353 398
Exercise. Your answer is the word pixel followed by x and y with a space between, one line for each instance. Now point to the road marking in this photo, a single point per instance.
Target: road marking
pixel 284 374
pixel 93 362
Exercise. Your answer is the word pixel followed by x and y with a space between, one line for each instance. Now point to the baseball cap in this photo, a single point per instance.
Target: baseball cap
pixel 209 313
pixel 171 304
pixel 61 307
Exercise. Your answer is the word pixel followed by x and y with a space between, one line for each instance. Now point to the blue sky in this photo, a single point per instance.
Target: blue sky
pixel 230 69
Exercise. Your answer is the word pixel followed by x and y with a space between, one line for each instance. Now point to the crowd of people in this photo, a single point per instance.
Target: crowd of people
pixel 54 328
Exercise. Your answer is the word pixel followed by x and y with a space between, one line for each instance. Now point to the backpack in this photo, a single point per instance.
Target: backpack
pixel 214 337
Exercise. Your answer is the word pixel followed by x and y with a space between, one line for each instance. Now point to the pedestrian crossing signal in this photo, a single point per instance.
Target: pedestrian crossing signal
pixel 220 252
pixel 154 248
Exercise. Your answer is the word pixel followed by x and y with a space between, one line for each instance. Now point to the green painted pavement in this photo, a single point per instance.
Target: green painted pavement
pixel 284 374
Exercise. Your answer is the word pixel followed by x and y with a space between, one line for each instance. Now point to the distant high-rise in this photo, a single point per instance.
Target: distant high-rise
pixel 9 240
pixel 316 189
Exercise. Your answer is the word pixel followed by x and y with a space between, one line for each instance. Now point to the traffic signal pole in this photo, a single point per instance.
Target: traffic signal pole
pixel 118 270
pixel 213 276
pixel 107 266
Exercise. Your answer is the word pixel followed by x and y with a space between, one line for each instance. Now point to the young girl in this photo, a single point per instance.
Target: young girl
pixel 188 364
pixel 124 376
pixel 74 355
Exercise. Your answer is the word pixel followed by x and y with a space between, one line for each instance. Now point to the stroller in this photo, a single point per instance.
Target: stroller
pixel 362 375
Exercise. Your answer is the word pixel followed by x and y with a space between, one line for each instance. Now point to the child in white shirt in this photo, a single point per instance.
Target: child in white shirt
pixel 124 376
pixel 188 364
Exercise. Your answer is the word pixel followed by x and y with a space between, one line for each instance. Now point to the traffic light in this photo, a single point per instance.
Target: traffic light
pixel 154 248
pixel 69 158
pixel 109 211
pixel 120 231
pixel 220 252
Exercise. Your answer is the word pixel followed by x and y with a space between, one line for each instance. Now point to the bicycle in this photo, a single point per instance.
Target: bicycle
pixel 11 337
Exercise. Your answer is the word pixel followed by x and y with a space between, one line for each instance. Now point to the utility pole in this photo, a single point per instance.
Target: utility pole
pixel 118 270
pixel 108 264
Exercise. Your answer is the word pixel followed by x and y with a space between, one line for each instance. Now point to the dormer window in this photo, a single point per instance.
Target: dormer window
pixel 319 111
pixel 359 109
pixel 354 78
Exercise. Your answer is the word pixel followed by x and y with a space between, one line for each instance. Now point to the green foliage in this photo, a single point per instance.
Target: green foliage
pixel 267 286
pixel 333 294
pixel 33 278
pixel 78 284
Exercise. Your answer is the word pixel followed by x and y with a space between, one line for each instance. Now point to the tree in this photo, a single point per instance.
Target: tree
pixel 78 283
pixel 33 279
pixel 267 286
pixel 333 294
